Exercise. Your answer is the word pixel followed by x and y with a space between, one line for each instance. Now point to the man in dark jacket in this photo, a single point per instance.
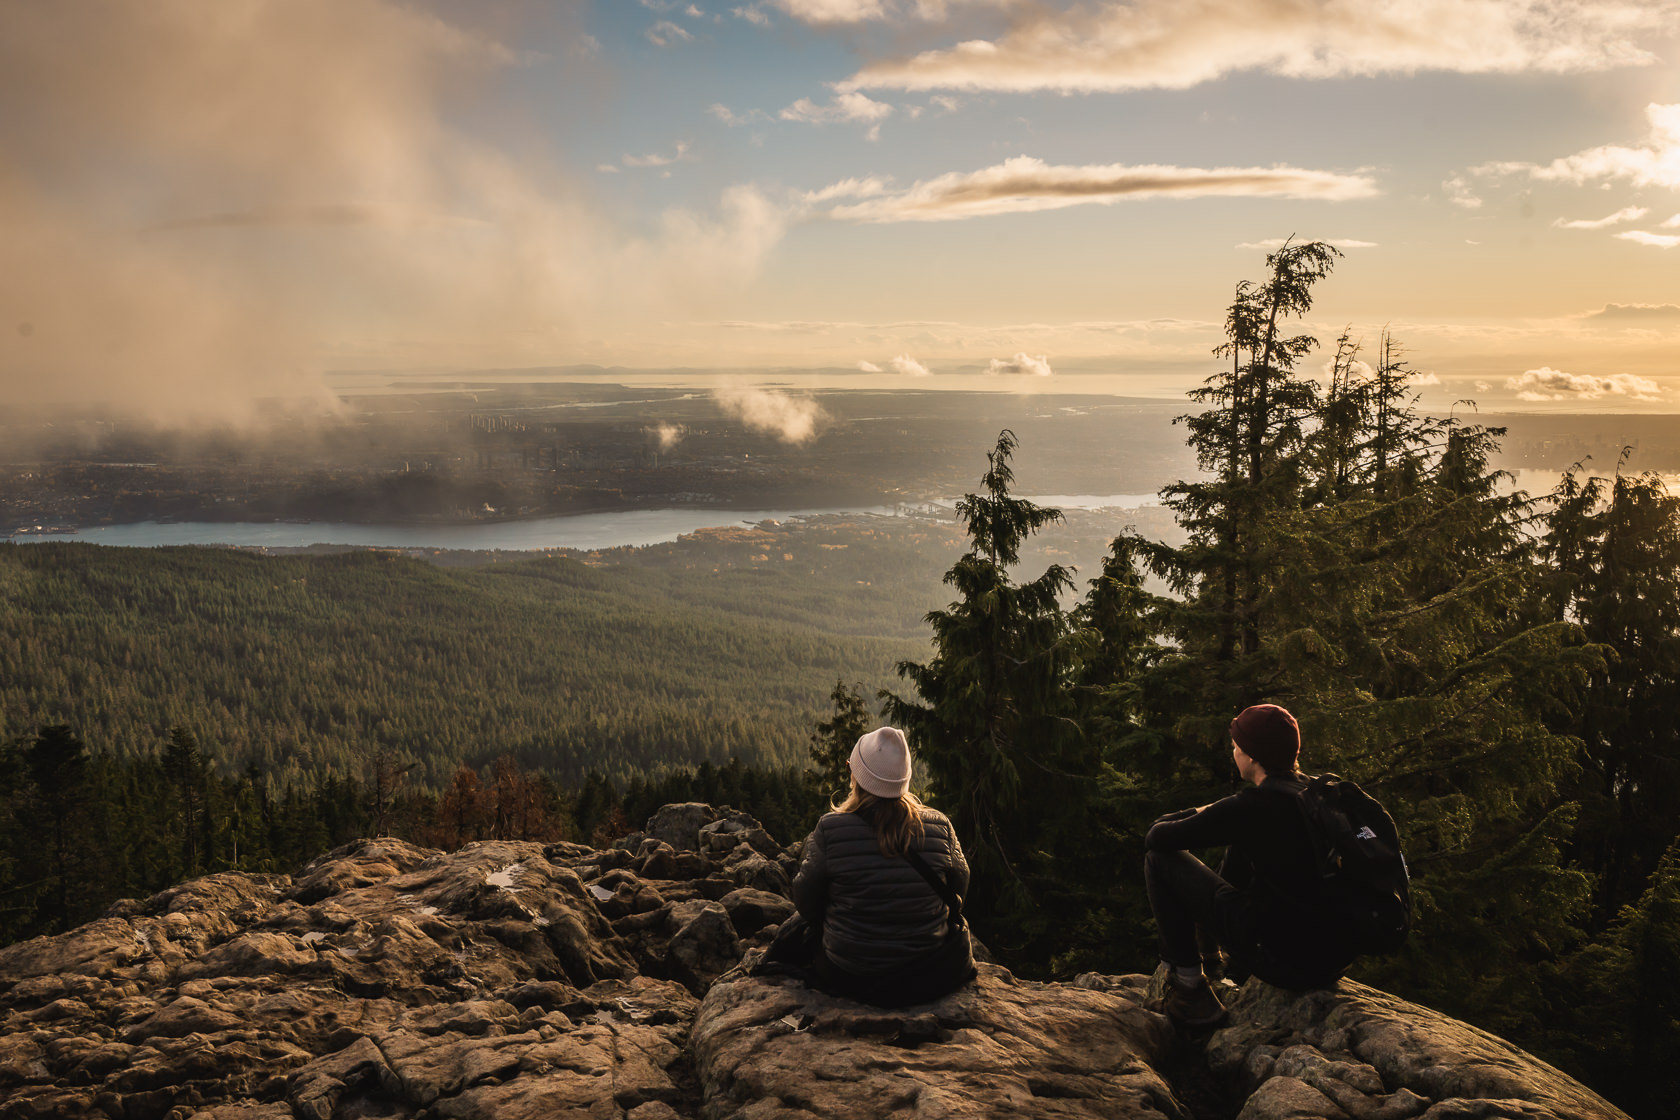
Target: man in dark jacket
pixel 1265 905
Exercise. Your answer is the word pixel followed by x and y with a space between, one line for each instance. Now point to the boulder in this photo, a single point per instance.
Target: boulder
pixel 747 868
pixel 751 910
pixel 772 1048
pixel 704 947
pixel 1375 1057
pixel 679 825
pixel 724 835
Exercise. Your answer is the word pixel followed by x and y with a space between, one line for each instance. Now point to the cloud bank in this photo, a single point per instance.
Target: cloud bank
pixel 1548 384
pixel 202 207
pixel 1024 184
pixel 909 367
pixel 1110 46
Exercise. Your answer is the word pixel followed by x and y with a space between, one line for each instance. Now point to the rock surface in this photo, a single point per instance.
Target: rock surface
pixel 1000 1047
pixel 516 980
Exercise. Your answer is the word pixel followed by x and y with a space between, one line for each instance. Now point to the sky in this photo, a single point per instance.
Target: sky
pixel 204 206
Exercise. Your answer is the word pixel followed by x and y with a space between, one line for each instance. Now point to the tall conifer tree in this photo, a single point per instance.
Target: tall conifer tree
pixel 993 722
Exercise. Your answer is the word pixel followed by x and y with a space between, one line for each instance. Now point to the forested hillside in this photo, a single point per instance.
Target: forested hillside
pixel 309 665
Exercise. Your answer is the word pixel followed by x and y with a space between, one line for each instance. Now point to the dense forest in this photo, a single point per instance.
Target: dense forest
pixel 1499 669
pixel 82 828
pixel 307 666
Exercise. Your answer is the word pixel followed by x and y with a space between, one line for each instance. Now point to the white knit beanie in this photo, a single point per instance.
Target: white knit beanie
pixel 881 763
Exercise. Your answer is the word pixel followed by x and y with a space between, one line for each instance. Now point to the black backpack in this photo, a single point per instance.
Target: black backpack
pixel 1366 884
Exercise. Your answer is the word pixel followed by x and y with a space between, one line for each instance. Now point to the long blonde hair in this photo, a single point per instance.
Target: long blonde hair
pixel 898 820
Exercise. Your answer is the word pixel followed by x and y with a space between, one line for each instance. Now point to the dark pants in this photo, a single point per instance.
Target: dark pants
pixel 1300 949
pixel 1185 894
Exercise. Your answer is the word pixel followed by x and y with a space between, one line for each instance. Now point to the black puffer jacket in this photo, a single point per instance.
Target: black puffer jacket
pixel 876 911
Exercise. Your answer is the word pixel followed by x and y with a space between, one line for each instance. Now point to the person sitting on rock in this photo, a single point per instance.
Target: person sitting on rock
pixel 1264 906
pixel 882 878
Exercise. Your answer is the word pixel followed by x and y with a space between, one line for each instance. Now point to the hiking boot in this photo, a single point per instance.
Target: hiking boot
pixel 1192 1006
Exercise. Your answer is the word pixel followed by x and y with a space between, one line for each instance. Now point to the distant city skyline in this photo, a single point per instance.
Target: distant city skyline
pixel 204 206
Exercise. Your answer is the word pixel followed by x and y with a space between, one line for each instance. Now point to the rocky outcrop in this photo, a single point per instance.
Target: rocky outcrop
pixel 1000 1047
pixel 516 980
pixel 1356 1052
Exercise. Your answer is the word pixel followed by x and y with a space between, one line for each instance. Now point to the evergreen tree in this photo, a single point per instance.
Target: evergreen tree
pixel 55 819
pixel 1616 1021
pixel 186 768
pixel 1613 547
pixel 834 738
pixel 1369 570
pixel 996 725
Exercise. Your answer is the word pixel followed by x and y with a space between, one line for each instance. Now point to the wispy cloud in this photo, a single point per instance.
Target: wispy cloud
pixel 868 367
pixel 655 160
pixel 1654 164
pixel 665 34
pixel 833 11
pixel 1638 313
pixel 845 108
pixel 723 113
pixel 1021 363
pixel 1026 184
pixel 1548 384
pixel 754 16
pixel 908 366
pixel 1655 240
pixel 1280 242
pixel 1625 214
pixel 791 419
pixel 871 187
pixel 1460 193
pixel 821 12
pixel 1114 45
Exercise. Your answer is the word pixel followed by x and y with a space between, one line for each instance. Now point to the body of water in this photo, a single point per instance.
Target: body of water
pixel 580 531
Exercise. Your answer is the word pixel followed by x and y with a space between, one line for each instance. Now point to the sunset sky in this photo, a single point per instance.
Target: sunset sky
pixel 202 204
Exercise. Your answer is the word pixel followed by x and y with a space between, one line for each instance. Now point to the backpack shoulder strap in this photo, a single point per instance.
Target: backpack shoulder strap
pixel 940 884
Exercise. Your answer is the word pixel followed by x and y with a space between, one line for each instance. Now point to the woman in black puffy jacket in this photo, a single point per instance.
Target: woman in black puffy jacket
pixel 883 877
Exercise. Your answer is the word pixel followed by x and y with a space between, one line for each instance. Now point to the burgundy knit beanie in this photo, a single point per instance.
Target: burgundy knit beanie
pixel 1270 736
